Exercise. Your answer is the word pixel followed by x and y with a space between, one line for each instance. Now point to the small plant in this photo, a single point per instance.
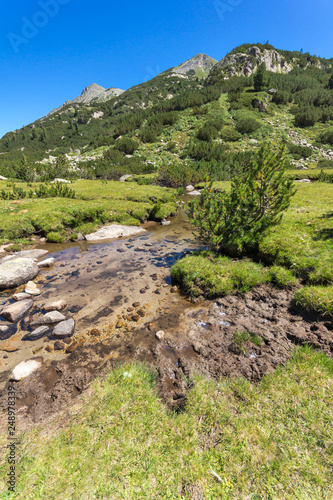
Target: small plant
pixel 241 337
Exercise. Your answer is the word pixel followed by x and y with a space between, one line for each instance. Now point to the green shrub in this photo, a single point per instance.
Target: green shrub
pixel 127 145
pixel 300 151
pixel 247 125
pixel 230 134
pixel 54 237
pixel 174 174
pixel 327 137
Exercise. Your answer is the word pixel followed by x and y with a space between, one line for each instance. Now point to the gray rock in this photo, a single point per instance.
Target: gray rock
pixel 49 318
pixel 2 178
pixel 165 222
pixel 38 333
pixel 16 272
pixel 4 328
pixel 303 180
pixel 21 296
pixel 25 369
pixel 14 312
pixel 64 329
pixel 271 91
pixel 56 305
pixel 189 188
pixel 124 177
pixel 195 193
pixel 114 231
pixel 46 263
pixel 34 255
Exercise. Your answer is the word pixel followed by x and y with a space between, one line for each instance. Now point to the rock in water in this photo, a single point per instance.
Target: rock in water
pixel 31 288
pixel 25 254
pixel 25 369
pixel 49 318
pixel 46 263
pixel 4 328
pixel 14 312
pixel 21 296
pixel 16 272
pixel 114 231
pixel 37 334
pixel 64 329
pixel 56 305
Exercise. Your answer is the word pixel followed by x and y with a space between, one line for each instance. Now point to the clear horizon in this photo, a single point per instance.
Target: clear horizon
pixel 52 49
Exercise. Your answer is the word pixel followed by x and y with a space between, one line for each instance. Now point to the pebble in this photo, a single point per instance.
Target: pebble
pixel 159 335
pixel 64 328
pixel 136 304
pixel 31 288
pixel 49 318
pixel 38 333
pixel 46 263
pixel 135 317
pixel 21 296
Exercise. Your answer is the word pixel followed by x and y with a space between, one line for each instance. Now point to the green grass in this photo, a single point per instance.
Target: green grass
pixel 234 440
pixel 96 203
pixel 317 299
pixel 204 274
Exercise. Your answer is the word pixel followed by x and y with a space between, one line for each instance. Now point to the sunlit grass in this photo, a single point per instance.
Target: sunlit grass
pixel 271 440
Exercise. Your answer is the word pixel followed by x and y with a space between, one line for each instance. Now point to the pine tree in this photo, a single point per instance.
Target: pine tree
pixel 330 83
pixel 260 77
pixel 235 222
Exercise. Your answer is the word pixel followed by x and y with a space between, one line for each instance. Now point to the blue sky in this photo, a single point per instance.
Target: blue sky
pixel 51 49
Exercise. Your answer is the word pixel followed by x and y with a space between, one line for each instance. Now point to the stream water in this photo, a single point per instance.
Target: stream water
pixel 100 282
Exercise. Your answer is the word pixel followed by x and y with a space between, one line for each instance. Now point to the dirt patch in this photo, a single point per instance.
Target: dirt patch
pixel 245 336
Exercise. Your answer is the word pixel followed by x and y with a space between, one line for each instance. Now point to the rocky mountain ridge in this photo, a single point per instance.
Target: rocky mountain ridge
pixel 91 95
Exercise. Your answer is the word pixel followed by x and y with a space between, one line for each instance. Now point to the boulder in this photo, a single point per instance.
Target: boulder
pixel 165 222
pixel 34 255
pixel 14 312
pixel 37 334
pixel 16 272
pixel 189 188
pixel 49 318
pixel 2 178
pixel 25 369
pixel 46 263
pixel 195 193
pixel 114 231
pixel 124 177
pixel 64 329
pixel 55 305
pixel 271 91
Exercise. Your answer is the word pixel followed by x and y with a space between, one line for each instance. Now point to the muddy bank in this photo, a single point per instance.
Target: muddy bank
pixel 206 338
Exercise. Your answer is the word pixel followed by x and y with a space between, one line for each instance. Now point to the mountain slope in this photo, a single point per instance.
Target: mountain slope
pixel 244 60
pixel 92 94
pixel 199 65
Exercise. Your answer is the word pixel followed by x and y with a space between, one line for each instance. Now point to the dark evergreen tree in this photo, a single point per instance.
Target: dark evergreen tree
pixel 260 77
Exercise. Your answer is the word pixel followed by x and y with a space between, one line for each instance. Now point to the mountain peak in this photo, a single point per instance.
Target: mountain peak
pixel 199 65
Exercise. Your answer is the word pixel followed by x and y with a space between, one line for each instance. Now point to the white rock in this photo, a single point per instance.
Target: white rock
pixel 46 263
pixel 64 181
pixel 49 318
pixel 3 178
pixel 25 369
pixel 159 335
pixel 189 188
pixel 114 231
pixel 32 289
pixel 195 193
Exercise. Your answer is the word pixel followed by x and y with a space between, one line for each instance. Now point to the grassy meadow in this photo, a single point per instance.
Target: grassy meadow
pixel 234 440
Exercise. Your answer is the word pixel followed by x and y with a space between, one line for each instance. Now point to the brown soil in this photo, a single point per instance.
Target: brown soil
pixel 197 339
